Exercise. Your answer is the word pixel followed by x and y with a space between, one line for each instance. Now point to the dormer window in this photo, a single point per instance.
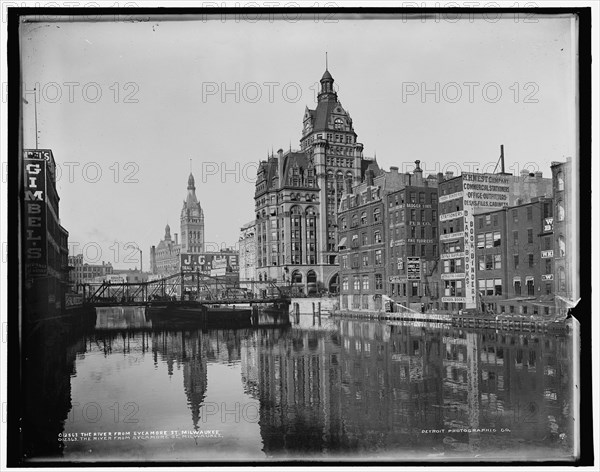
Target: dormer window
pixel 338 123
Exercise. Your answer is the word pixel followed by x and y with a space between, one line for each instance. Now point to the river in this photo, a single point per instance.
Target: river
pixel 120 387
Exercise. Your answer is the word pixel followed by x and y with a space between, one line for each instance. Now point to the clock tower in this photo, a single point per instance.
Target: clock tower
pixel 192 222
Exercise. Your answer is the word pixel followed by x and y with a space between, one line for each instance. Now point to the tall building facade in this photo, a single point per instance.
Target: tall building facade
pixel 566 238
pixel 514 258
pixel 382 222
pixel 298 193
pixel 192 222
pixel 247 253
pixel 361 244
pixel 45 242
pixel 412 253
pixel 461 199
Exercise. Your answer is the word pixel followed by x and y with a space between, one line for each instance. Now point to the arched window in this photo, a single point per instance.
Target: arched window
pixel 311 280
pixel 560 181
pixel 560 210
pixel 296 277
pixel 339 123
pixel 363 218
pixel 354 220
pixel 376 215
pixel 343 223
pixel 562 246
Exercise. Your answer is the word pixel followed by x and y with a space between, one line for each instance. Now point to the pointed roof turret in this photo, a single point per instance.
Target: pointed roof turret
pixel 327 92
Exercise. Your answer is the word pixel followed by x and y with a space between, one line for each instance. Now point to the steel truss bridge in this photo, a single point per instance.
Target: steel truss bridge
pixel 184 286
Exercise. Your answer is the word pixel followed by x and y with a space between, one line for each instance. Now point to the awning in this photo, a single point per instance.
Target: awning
pixel 342 242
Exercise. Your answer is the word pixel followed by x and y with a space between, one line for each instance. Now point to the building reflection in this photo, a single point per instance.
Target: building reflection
pixel 49 352
pixel 344 388
pixel 367 387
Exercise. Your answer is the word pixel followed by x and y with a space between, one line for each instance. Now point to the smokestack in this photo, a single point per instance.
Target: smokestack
pixel 176 239
pixel 502 157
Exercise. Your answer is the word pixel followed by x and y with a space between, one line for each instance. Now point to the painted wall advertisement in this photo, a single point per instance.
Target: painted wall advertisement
pixel 207 261
pixel 470 282
pixel 35 241
pixel 481 192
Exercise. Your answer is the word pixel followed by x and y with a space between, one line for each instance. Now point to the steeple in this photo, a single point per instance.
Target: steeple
pixel 167 233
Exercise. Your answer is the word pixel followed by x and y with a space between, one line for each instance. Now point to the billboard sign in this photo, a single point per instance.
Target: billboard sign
pixel 35 218
pixel 205 262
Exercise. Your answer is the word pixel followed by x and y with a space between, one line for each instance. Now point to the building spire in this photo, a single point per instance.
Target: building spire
pixel 326 65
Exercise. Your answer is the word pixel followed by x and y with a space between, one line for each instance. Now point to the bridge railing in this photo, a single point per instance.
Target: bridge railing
pixel 183 286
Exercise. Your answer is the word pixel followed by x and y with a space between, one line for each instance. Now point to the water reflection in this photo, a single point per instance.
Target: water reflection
pixel 339 390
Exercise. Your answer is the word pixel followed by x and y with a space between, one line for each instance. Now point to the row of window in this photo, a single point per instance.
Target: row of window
pixel 365 259
pixel 363 282
pixel 413 197
pixel 376 218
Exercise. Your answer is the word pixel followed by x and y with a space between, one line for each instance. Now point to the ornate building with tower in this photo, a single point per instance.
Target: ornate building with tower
pixel 192 222
pixel 297 195
pixel 165 259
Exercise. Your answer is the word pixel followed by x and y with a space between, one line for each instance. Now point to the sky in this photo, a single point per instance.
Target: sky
pixel 125 106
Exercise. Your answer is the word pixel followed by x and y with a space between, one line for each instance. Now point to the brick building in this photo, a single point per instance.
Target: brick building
pixel 388 240
pixel 461 200
pixel 412 253
pixel 514 258
pixel 45 242
pixel 81 272
pixel 361 229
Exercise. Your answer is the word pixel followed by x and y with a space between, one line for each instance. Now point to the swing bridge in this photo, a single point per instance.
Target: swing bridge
pixel 185 286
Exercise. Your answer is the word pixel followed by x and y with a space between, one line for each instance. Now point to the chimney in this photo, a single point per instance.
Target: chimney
pixel 370 176
pixel 176 239
pixel 449 175
pixel 279 167
pixel 394 170
pixel 440 177
pixel 538 175
pixel 418 172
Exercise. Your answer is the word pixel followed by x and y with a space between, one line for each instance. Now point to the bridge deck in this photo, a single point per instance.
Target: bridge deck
pixel 175 303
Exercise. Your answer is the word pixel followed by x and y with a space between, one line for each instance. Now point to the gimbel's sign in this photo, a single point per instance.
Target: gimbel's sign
pixel 34 206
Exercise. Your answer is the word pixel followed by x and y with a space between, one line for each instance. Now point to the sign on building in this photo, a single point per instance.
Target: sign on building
pixel 483 192
pixel 35 207
pixel 207 261
pixel 413 268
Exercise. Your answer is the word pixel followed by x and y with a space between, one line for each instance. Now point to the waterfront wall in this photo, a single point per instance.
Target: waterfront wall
pixel 327 304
